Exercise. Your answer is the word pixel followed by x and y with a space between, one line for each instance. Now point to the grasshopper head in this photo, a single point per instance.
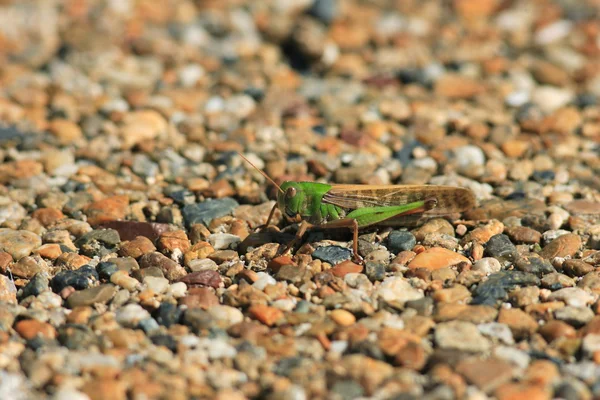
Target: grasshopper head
pixel 290 200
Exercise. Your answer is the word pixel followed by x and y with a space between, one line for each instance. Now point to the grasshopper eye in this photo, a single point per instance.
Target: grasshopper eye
pixel 290 192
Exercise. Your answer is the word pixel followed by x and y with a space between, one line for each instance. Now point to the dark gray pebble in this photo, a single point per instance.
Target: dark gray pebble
pixel 98 242
pixel 168 314
pixel 398 241
pixel 500 247
pixel 347 389
pixel 77 336
pixel 106 269
pixel 375 271
pixel 332 254
pixel 81 278
pixel 497 286
pixel 205 212
pixel 37 285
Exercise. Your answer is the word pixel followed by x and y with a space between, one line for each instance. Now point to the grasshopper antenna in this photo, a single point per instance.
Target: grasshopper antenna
pixel 261 172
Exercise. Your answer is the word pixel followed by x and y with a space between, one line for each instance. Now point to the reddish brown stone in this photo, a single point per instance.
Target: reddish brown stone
pixel 108 209
pixel 47 216
pixel 31 328
pixel 278 262
pixel 129 230
pixel 203 278
pixel 50 251
pixel 137 247
pixel 201 297
pixel 265 314
pixel 172 240
pixel 344 268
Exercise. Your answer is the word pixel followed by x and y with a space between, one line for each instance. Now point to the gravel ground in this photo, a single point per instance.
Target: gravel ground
pixel 130 262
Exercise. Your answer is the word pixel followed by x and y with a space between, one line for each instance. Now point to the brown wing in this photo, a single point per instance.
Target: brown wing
pixel 449 199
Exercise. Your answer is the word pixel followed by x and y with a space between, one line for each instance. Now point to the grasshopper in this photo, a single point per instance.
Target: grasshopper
pixel 320 205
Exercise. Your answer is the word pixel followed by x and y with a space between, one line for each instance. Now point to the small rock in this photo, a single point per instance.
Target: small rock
pixel 375 271
pixel 575 316
pixel 487 265
pixel 88 297
pixel 171 270
pixel 137 247
pixel 563 246
pixel 130 315
pixel 30 329
pixel 572 296
pixel 500 247
pixel 436 258
pixel 36 285
pixel 436 225
pixel 203 278
pixel 79 279
pixel 488 374
pixel 156 284
pixel 332 254
pixel 106 210
pixel 450 336
pixel 397 289
pixel 342 317
pixel 265 314
pixel 398 241
pixel 8 291
pixel 221 241
pixel 520 323
pixel 18 243
pixel 523 234
pixel 344 268
pixel 205 212
pixel 122 279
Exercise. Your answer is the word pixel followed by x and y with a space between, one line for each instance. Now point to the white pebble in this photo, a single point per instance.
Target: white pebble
pixel 397 289
pixel 190 75
pixel 177 290
pixel 553 32
pixel 221 241
pixel 156 284
pixel 469 156
pixel 130 315
pixel 489 265
pixel 263 280
pixel 498 331
pixel 226 315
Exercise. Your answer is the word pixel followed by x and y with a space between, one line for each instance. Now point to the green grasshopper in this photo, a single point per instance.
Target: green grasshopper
pixel 320 205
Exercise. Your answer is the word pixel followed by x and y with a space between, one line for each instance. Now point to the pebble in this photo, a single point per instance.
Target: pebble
pixel 171 269
pixel 398 241
pixel 342 317
pixel 397 290
pixel 205 212
pixel 221 241
pixel 449 336
pixel 572 296
pixel 88 297
pixel 575 316
pixel 123 280
pixel 346 267
pixel 487 265
pixel 81 278
pixel 8 290
pixel 130 315
pixel 563 246
pixel 500 247
pixel 18 244
pixel 436 258
pixel 375 271
pixel 332 254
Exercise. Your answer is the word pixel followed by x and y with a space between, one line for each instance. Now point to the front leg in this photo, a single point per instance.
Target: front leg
pixel 268 219
pixel 302 228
